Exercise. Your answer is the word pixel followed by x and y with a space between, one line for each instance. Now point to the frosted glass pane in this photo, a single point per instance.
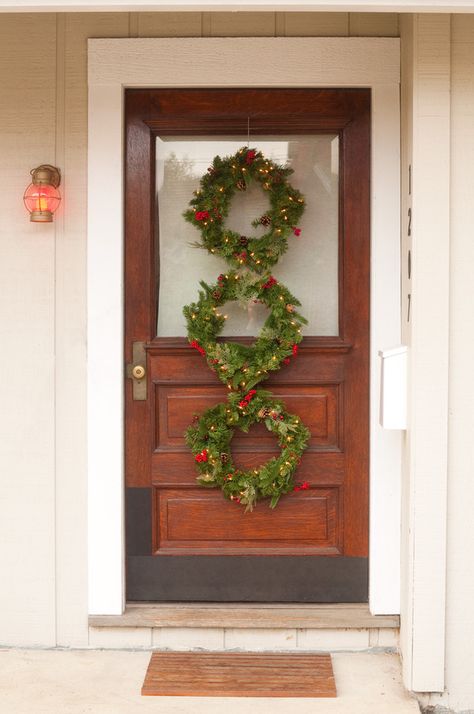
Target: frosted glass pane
pixel 310 267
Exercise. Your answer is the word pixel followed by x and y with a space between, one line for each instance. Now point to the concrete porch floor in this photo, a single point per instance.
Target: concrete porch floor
pixel 109 682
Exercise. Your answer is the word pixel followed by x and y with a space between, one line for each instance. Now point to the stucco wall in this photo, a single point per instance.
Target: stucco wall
pixel 43 110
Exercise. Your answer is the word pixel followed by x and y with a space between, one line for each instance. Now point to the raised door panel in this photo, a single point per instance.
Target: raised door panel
pixel 199 522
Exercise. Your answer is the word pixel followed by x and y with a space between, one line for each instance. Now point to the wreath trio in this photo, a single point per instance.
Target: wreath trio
pixel 239 366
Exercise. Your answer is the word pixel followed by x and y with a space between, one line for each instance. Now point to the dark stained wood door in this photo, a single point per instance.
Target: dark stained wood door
pixel 188 543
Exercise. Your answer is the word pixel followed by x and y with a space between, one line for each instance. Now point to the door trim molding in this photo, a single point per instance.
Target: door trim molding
pixel 290 62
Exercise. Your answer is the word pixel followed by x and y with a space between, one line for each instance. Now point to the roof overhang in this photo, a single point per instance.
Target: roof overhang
pixel 232 5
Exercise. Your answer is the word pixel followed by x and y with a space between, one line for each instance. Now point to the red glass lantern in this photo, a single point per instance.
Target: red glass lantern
pixel 42 197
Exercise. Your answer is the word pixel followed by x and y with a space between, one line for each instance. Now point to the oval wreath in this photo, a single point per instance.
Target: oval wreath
pixel 240 366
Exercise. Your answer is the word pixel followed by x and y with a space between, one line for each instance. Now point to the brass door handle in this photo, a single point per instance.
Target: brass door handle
pixel 138 372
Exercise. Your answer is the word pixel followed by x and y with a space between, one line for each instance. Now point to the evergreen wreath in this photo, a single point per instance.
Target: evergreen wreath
pixel 211 203
pixel 239 366
pixel 210 441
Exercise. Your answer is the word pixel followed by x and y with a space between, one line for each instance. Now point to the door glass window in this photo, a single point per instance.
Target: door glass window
pixel 310 267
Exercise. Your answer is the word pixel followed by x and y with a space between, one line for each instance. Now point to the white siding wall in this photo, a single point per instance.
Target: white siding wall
pixel 43 598
pixel 426 65
pixel 27 319
pixel 438 500
pixel 460 564
pixel 43 111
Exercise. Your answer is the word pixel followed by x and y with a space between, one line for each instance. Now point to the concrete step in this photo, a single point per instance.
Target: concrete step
pixel 109 682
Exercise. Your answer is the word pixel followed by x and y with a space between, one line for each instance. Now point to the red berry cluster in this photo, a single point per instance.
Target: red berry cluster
pixel 247 399
pixel 294 350
pixel 250 157
pixel 270 282
pixel 241 256
pixel 201 215
pixel 198 347
pixel 202 456
pixel 301 486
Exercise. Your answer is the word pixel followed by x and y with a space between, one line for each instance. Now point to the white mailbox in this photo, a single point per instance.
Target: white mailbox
pixel 393 391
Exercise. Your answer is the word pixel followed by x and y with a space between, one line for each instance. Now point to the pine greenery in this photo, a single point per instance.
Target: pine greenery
pixel 241 367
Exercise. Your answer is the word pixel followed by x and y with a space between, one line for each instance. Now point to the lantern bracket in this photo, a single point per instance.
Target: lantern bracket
pixel 46 174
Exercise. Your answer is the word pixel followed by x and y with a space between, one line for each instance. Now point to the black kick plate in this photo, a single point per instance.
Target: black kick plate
pixel 201 578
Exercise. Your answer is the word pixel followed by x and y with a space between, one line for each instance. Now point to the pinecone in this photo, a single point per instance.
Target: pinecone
pixel 195 418
pixel 224 458
pixel 290 308
pixel 211 171
pixel 241 185
pixel 263 413
pixel 265 220
pixel 216 294
pixel 243 241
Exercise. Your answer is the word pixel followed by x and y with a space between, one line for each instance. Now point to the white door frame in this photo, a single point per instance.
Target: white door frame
pixel 115 64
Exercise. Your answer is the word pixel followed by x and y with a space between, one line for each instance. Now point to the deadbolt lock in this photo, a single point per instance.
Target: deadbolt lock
pixel 138 372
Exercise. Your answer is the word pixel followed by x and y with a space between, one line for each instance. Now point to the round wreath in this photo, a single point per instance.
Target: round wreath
pixel 210 441
pixel 243 366
pixel 240 366
pixel 210 207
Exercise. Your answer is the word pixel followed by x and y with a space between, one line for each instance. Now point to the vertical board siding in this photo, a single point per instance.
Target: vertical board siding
pixel 426 454
pixel 406 579
pixel 460 583
pixel 242 24
pixel 71 498
pixel 27 506
pixel 169 24
pixel 380 24
pixel 315 24
pixel 430 340
pixel 43 118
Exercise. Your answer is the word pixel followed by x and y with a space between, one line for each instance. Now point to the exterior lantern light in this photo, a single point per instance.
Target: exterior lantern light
pixel 42 197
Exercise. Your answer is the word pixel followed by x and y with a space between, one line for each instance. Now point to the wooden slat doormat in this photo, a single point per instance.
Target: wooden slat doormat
pixel 227 674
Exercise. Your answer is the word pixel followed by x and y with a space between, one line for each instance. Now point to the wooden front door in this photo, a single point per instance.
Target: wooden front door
pixel 185 542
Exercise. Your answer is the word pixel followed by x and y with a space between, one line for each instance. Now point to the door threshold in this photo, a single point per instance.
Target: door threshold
pixel 239 615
